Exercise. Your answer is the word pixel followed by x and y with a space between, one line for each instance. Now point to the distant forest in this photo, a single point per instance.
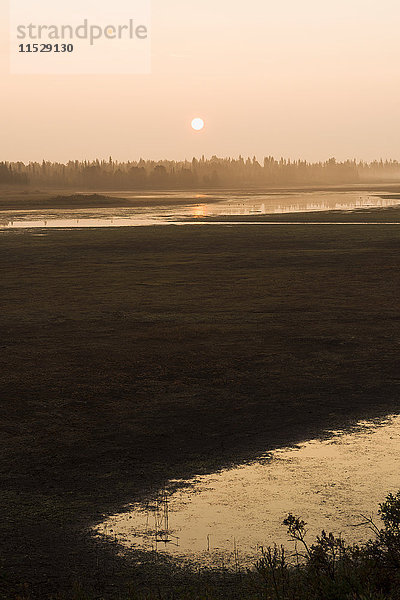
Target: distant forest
pixel 203 173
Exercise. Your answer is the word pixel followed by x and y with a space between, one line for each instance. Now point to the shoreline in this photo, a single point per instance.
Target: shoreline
pixel 34 199
pixel 374 216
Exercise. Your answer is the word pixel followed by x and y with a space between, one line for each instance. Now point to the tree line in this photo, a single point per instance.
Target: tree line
pixel 198 173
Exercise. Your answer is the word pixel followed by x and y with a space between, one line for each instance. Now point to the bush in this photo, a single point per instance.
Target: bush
pixel 330 569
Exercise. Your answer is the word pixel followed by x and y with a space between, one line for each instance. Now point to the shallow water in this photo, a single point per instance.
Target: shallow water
pixel 221 518
pixel 197 207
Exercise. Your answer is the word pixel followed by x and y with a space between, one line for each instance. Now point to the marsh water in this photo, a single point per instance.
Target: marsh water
pixel 179 208
pixel 224 518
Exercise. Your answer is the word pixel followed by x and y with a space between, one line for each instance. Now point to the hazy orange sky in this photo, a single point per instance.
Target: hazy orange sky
pixel 298 78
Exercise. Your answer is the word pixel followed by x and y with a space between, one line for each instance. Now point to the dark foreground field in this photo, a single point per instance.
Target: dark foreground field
pixel 133 355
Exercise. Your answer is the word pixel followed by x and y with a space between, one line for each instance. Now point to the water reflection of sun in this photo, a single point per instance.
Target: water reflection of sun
pixel 200 211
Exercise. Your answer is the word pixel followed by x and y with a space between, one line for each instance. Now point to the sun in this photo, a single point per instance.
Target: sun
pixel 197 124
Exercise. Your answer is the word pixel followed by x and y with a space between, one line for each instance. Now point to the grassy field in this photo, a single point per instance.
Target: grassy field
pixel 134 355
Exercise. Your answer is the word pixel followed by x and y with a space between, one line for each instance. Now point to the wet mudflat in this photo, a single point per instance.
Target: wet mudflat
pixel 225 518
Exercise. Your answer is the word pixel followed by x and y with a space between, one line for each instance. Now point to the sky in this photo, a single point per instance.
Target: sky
pixel 304 79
